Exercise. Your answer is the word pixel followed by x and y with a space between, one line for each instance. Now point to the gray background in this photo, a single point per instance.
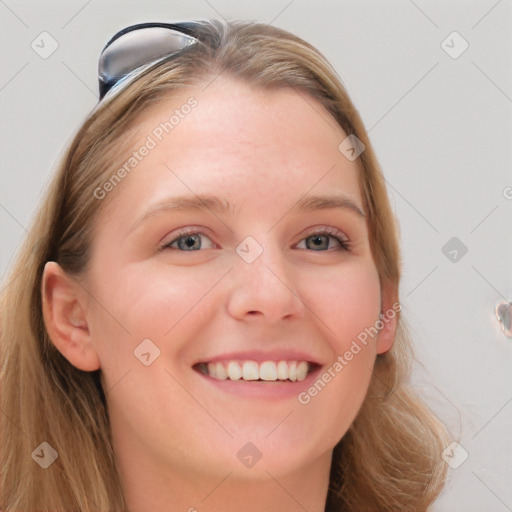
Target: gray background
pixel 441 127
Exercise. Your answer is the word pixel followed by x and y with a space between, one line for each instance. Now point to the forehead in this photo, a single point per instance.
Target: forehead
pixel 242 142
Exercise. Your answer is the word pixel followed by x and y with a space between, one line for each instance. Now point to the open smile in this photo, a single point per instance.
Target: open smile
pixel 249 370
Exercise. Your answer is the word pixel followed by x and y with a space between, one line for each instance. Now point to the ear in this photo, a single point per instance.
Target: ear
pixel 389 311
pixel 65 317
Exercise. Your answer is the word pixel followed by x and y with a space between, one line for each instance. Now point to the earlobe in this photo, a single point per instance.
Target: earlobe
pixel 65 318
pixel 388 318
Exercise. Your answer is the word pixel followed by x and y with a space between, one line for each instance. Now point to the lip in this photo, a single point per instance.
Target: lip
pixel 266 390
pixel 260 357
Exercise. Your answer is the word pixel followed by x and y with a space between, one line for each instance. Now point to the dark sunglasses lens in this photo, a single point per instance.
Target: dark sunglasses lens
pixel 137 48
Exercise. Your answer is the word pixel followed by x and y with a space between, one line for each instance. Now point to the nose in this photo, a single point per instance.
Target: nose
pixel 264 290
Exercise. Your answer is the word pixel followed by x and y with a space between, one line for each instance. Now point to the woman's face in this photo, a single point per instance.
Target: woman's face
pixel 263 285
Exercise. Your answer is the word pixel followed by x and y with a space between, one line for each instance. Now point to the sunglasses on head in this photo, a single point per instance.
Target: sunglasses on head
pixel 137 47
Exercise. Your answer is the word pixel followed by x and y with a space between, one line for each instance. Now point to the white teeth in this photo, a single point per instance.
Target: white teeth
pixel 302 370
pixel 282 370
pixel 234 371
pixel 268 371
pixel 252 370
pixel 292 371
pixel 220 372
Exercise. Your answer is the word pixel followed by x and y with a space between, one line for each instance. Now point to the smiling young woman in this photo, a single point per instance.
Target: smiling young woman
pixel 207 314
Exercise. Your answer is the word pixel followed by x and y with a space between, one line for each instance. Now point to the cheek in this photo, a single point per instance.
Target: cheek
pixel 347 301
pixel 348 305
pixel 143 301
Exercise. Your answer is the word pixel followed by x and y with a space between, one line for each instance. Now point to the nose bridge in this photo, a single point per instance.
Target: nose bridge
pixel 263 281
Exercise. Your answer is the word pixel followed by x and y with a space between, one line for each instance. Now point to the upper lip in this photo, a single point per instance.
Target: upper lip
pixel 261 356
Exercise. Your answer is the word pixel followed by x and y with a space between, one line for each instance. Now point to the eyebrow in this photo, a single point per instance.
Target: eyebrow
pixel 325 202
pixel 214 204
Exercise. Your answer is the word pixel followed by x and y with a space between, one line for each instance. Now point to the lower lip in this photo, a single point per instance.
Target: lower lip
pixel 268 390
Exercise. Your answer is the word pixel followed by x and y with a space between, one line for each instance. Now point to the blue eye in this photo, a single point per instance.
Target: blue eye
pixel 186 241
pixel 319 241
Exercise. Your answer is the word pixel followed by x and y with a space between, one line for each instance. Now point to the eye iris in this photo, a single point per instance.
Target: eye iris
pixel 188 241
pixel 317 241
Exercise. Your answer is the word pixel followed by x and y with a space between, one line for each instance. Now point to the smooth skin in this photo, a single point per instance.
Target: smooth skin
pixel 177 434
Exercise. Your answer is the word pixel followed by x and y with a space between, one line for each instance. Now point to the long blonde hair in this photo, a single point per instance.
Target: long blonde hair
pixel 390 458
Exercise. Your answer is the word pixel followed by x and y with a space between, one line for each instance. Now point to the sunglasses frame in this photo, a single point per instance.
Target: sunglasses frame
pixel 120 60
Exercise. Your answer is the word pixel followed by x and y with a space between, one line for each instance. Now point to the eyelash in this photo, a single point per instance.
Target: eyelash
pixel 345 245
